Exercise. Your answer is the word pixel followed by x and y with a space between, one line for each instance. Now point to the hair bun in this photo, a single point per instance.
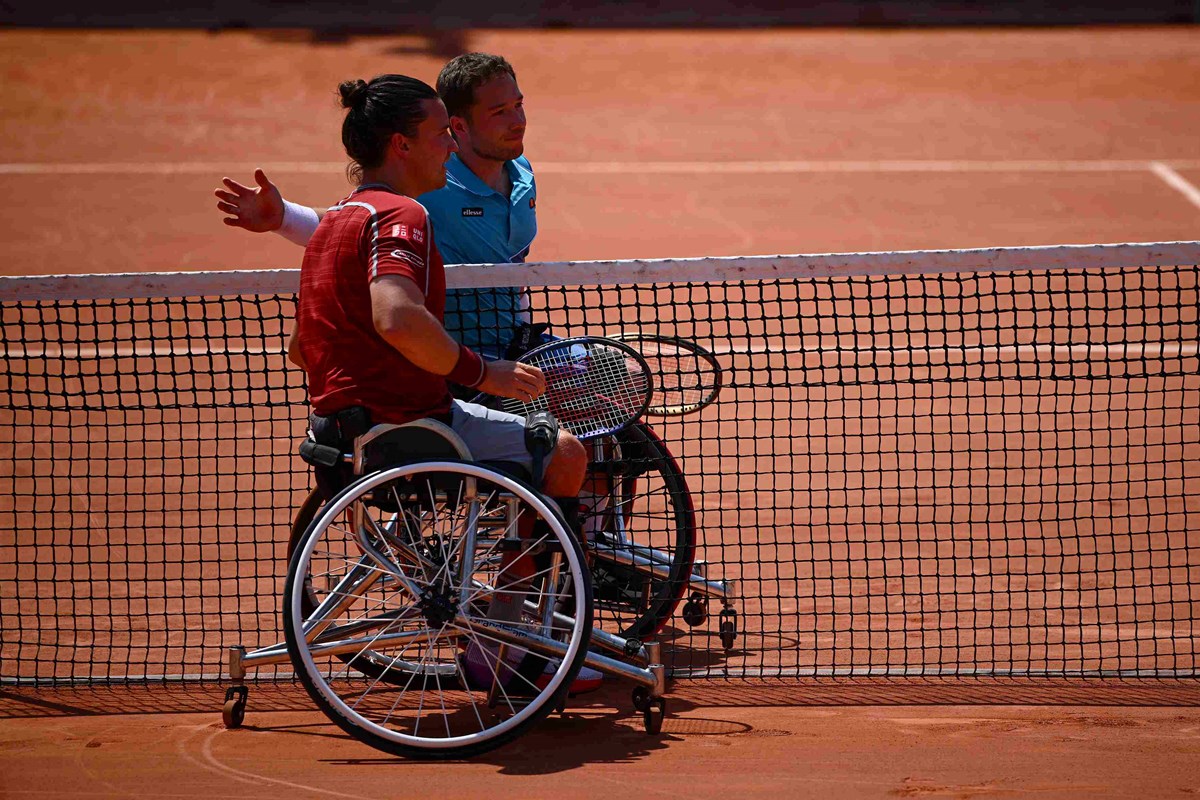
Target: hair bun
pixel 354 93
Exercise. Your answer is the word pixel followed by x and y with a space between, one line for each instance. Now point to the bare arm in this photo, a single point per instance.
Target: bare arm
pixel 293 351
pixel 400 317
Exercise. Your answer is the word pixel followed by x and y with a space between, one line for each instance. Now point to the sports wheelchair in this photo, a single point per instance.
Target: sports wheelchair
pixel 437 607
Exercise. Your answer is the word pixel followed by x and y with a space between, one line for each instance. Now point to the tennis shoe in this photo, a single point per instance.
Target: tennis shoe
pixel 588 679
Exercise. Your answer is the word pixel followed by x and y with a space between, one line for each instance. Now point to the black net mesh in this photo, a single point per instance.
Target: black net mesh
pixel 963 474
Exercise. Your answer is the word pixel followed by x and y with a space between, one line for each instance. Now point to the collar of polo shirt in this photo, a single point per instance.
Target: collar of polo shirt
pixel 462 175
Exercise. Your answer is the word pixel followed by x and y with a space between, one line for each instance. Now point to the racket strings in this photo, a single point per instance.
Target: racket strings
pixel 680 372
pixel 687 377
pixel 591 389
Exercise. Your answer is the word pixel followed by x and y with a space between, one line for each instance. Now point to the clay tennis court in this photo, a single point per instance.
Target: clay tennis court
pixel 655 144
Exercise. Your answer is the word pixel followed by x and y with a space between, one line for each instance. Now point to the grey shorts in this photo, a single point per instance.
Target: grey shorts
pixel 491 435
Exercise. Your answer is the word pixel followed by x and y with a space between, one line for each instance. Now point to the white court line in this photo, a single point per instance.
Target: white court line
pixel 620 167
pixel 1176 181
pixel 866 167
pixel 919 356
pixel 916 353
pixel 209 760
pixel 153 350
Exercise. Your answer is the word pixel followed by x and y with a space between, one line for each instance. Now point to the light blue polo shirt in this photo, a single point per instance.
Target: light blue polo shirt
pixel 475 224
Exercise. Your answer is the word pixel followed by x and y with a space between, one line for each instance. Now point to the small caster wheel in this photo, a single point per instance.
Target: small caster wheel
pixel 695 610
pixel 728 635
pixel 233 713
pixel 728 628
pixel 641 698
pixel 653 715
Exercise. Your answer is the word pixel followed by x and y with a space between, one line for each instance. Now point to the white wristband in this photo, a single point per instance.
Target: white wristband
pixel 299 222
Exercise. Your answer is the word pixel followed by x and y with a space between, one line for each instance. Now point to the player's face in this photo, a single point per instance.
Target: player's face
pixel 431 147
pixel 494 127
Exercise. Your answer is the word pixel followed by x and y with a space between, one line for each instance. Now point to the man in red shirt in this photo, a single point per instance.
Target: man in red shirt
pixel 372 291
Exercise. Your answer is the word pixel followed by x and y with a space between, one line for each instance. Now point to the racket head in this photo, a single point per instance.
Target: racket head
pixel 687 377
pixel 594 386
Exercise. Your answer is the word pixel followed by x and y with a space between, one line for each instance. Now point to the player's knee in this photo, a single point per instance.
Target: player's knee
pixel 567 468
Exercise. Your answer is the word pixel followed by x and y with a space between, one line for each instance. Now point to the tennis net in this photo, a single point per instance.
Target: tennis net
pixel 944 463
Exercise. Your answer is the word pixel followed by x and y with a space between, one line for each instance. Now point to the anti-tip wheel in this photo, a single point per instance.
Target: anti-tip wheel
pixel 695 610
pixel 233 713
pixel 653 715
pixel 728 628
pixel 641 698
pixel 728 635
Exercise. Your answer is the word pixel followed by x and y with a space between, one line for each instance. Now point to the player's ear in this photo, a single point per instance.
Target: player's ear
pixel 458 126
pixel 399 143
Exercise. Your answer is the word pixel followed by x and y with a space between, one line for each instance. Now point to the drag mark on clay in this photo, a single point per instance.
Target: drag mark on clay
pixel 208 760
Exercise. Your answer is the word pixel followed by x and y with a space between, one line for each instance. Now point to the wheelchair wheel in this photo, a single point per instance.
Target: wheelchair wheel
pixel 418 572
pixel 369 663
pixel 647 517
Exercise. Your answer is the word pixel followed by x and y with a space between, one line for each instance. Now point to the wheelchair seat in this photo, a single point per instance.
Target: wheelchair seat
pixel 387 445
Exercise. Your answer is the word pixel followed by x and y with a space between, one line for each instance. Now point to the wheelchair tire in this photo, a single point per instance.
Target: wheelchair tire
pixel 375 574
pixel 649 508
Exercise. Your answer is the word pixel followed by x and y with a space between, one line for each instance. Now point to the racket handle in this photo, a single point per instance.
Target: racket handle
pixel 541 435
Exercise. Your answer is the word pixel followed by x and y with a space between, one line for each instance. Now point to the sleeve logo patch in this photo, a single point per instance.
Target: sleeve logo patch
pixel 399 231
pixel 418 235
pixel 472 212
pixel 409 258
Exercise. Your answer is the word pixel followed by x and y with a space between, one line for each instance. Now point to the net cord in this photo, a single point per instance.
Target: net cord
pixel 633 272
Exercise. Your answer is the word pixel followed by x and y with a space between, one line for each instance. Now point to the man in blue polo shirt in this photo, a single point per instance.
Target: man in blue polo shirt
pixel 486 213
pixel 475 224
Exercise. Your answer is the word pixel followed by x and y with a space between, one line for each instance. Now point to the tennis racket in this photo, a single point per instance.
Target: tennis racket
pixel 686 376
pixel 594 387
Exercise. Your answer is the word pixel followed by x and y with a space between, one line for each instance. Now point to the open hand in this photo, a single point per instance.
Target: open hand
pixel 256 210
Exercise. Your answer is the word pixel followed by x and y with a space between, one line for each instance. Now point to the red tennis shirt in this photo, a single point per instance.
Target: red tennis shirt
pixel 373 232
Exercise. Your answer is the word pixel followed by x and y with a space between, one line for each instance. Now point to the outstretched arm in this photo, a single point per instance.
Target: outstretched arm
pixel 263 209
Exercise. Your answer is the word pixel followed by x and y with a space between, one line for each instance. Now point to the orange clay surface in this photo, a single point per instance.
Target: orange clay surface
pixel 811 743
pixel 646 144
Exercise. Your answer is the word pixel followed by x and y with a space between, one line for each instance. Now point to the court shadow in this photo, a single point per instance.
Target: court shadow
pixel 146 698
pixel 323 729
pixel 611 707
pixel 593 14
pixel 399 40
pixel 601 727
pixel 918 691
pixel 700 649
pixel 695 652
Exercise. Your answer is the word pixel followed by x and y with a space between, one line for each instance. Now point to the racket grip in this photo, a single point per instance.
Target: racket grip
pixel 541 435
